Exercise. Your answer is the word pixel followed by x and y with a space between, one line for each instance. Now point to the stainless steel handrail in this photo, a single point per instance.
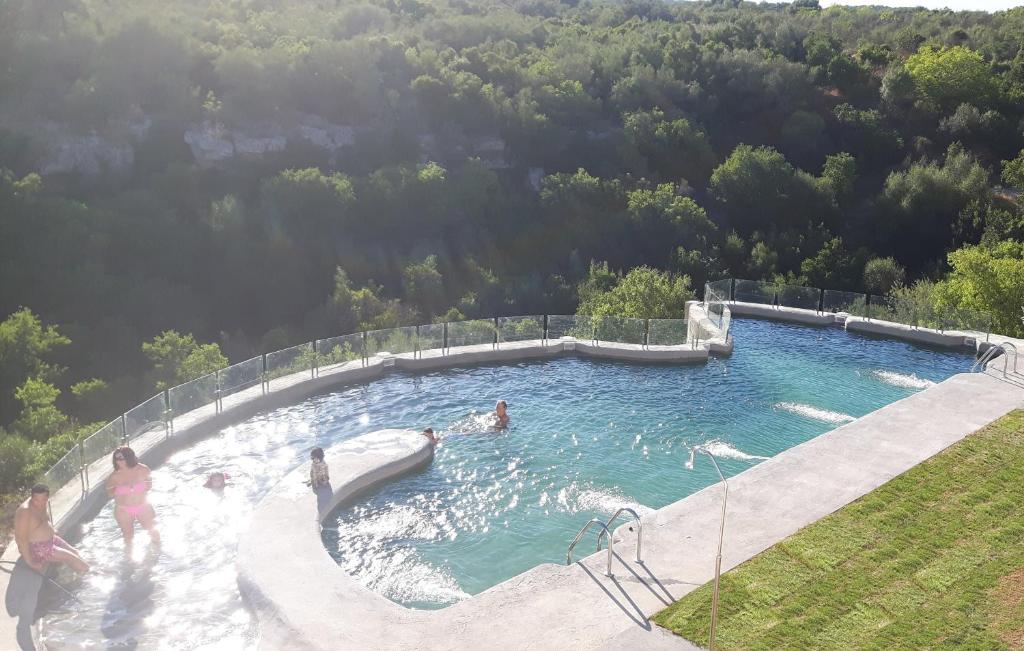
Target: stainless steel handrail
pixel 991 353
pixel 579 536
pixel 639 530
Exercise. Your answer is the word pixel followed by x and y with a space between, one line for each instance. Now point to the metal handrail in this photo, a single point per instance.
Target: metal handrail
pixel 579 536
pixel 990 354
pixel 639 530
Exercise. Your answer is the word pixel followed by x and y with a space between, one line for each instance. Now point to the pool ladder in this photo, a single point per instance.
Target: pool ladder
pixel 606 531
pixel 990 354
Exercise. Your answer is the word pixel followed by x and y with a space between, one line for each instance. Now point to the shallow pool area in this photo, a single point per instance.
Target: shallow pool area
pixel 586 437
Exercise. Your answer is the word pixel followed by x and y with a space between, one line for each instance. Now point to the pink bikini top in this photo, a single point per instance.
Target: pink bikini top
pixel 128 489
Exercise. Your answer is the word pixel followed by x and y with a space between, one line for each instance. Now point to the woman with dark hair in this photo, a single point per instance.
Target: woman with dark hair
pixel 128 485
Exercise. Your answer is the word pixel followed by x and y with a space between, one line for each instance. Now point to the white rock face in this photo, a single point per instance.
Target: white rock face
pixel 210 143
pixel 88 155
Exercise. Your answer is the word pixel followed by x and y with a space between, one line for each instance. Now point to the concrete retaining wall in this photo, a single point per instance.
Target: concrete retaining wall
pixel 901 331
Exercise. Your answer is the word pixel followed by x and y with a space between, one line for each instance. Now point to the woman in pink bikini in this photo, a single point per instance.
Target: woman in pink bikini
pixel 128 485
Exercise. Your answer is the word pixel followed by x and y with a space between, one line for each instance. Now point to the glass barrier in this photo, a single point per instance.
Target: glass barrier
pixel 715 307
pixel 193 395
pixel 666 332
pixel 805 298
pixel 520 328
pixel 241 376
pixel 431 336
pixel 849 302
pixel 570 325
pixel 64 470
pixel 470 333
pixel 754 291
pixel 391 340
pixel 620 329
pixel 722 288
pixel 290 360
pixel 145 416
pixel 969 321
pixel 102 442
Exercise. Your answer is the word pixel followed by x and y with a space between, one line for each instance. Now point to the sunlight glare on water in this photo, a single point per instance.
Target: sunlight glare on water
pixel 586 438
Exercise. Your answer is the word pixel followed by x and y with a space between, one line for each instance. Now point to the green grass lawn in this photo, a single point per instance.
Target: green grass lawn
pixel 932 559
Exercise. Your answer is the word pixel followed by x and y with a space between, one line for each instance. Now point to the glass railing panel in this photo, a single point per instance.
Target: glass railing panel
pixel 666 332
pixel 721 288
pixel 241 376
pixel 570 325
pixel 470 333
pixel 192 395
pixel 391 340
pixel 849 302
pixel 755 291
pixel 431 336
pixel 64 470
pixel 290 360
pixel 520 328
pixel 805 298
pixel 620 329
pixel 102 442
pixel 146 416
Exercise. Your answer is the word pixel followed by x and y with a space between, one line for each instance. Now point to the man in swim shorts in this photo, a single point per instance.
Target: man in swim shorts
pixel 37 542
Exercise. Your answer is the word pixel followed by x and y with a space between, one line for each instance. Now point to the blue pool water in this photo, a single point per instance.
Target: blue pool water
pixel 586 437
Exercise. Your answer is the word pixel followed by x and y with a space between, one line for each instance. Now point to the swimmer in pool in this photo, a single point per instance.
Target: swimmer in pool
pixel 216 481
pixel 433 438
pixel 501 415
pixel 128 485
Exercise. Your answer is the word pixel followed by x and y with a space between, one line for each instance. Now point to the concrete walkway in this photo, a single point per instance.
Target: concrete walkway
pixel 577 607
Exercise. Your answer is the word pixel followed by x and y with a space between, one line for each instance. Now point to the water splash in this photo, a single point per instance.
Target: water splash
pixel 906 381
pixel 721 450
pixel 807 411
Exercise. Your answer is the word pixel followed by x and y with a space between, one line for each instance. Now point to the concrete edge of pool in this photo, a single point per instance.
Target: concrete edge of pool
pixel 305 601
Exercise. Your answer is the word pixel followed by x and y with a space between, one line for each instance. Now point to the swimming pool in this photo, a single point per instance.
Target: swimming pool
pixel 586 437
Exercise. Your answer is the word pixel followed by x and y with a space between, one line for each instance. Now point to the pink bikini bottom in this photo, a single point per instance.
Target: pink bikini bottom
pixel 134 510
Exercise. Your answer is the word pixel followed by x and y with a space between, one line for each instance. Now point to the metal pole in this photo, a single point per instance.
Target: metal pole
pixel 314 368
pixel 124 430
pixel 263 375
pixel 718 558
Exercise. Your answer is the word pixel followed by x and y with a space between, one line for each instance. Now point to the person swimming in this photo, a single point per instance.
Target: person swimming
pixel 429 433
pixel 501 415
pixel 128 485
pixel 216 481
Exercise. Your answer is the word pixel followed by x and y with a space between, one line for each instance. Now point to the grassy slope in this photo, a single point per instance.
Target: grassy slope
pixel 932 559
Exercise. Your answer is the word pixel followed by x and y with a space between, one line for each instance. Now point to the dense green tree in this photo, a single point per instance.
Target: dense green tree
pixel 951 76
pixel 26 351
pixel 643 293
pixel 178 358
pixel 881 275
pixel 987 279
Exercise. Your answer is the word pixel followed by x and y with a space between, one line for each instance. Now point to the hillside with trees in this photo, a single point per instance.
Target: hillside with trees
pixel 191 182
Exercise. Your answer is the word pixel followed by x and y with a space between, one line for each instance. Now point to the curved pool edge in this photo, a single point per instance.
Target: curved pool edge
pixel 307 602
pixel 282 560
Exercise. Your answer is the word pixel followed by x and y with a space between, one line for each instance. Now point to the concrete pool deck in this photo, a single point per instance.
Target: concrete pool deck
pixel 577 607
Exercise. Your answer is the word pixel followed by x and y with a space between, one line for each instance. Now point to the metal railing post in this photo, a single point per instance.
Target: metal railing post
pixel 444 339
pixel 168 415
pixel 314 367
pixel 366 357
pixel 821 301
pixel 416 353
pixel 83 470
pixel 647 333
pixel 495 345
pixel 544 331
pixel 216 392
pixel 732 290
pixel 124 429
pixel 264 382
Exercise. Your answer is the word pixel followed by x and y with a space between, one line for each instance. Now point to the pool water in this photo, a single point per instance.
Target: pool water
pixel 586 437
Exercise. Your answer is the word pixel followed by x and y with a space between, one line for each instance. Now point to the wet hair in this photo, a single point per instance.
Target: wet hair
pixel 317 453
pixel 429 430
pixel 216 475
pixel 501 403
pixel 127 453
pixel 40 488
